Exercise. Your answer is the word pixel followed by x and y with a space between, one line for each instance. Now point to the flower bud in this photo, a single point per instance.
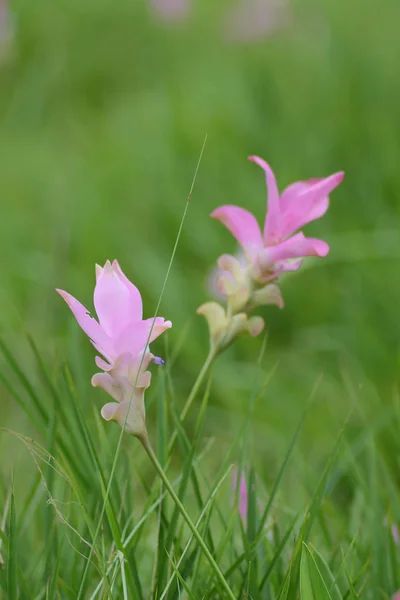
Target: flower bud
pixel 224 330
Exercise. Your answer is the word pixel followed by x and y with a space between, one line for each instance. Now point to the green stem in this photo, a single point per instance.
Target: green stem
pixel 207 364
pixel 185 515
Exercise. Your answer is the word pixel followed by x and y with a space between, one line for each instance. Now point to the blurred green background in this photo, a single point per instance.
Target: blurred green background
pixel 104 107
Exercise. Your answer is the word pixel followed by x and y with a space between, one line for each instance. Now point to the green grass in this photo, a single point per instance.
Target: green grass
pixel 104 111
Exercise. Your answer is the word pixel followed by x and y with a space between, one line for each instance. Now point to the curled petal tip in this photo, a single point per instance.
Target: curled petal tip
pixel 322 248
pixel 108 411
pixel 159 361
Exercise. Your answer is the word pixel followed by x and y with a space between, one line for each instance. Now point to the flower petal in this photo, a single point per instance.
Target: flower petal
pixel 89 324
pixel 129 414
pixel 118 388
pixel 241 223
pixel 160 325
pixel 297 246
pixel 112 301
pixel 303 202
pixel 271 226
pixel 136 305
pixel 133 338
pixel 108 411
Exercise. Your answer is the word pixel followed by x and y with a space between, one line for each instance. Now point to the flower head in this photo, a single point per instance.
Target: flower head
pixel 252 20
pixel 171 10
pixel 279 248
pixel 243 492
pixel 122 337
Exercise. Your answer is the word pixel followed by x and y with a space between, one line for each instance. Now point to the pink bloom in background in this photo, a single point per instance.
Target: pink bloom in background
pixel 396 596
pixel 6 31
pixel 243 493
pixel 279 248
pixel 251 20
pixel 395 534
pixel 122 337
pixel 171 10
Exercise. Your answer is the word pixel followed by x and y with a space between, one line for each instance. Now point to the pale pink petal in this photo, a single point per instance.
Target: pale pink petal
pixel 243 495
pixel 171 10
pixel 102 364
pixel 241 223
pixel 160 325
pixel 293 265
pixel 89 324
pixel 99 271
pixel 112 301
pixel 251 20
pixel 136 306
pixel 271 226
pixel 295 247
pixel 304 202
pixel 117 387
pixel 395 534
pixel 108 411
pixel 133 338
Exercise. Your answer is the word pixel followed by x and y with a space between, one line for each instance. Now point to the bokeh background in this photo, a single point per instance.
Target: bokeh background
pixel 104 106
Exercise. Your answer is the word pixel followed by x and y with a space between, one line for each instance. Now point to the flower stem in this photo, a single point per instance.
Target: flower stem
pixel 204 370
pixel 188 520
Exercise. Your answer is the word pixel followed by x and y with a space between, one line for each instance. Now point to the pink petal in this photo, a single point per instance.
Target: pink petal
pixel 252 20
pixel 102 364
pixel 160 325
pixel 116 388
pixel 136 305
pixel 99 271
pixel 293 265
pixel 112 300
pixel 304 202
pixel 89 324
pixel 108 411
pixel 171 10
pixel 297 246
pixel 241 223
pixel 133 338
pixel 271 226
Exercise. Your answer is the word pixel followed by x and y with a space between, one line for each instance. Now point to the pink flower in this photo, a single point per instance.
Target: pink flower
pixel 279 248
pixel 252 20
pixel 171 10
pixel 243 493
pixel 396 596
pixel 122 337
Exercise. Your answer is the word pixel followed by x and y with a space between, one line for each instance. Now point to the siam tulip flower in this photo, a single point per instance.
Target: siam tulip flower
pixel 395 534
pixel 396 596
pixel 280 248
pixel 252 20
pixel 122 337
pixel 6 32
pixel 243 493
pixel 225 329
pixel 171 10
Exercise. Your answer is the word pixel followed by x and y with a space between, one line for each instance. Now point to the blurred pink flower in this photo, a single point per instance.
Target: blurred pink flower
pixel 243 493
pixel 251 20
pixel 171 10
pixel 272 252
pixel 396 596
pixel 395 534
pixel 6 32
pixel 122 337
